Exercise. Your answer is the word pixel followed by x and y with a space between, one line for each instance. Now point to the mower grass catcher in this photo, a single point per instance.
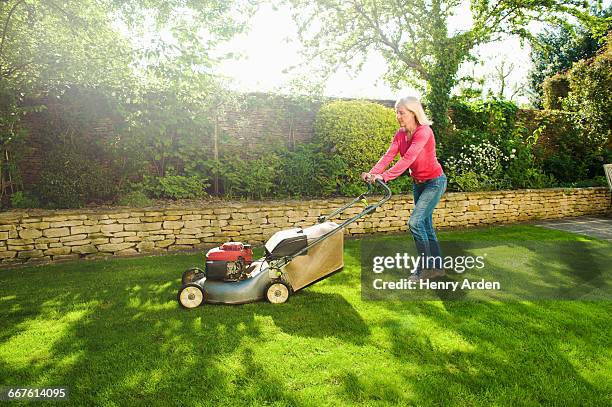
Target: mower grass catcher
pixel 294 258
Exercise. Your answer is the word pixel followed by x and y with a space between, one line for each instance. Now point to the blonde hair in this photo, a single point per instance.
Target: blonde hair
pixel 414 105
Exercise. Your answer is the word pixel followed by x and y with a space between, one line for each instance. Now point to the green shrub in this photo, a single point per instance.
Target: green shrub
pixel 533 178
pixel 70 179
pixel 135 199
pixel 175 187
pixel 253 177
pixel 470 181
pixel 590 96
pixel 555 89
pixel 357 133
pixel 307 171
pixel 24 200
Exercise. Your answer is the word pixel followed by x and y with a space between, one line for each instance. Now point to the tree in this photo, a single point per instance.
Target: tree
pixel 414 36
pixel 500 78
pixel 559 47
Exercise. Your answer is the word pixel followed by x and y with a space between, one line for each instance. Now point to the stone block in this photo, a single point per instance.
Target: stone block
pixel 21 248
pixel 108 222
pixel 28 254
pixel 116 240
pixel 76 217
pixel 164 243
pixel 119 215
pixel 20 241
pixel 57 251
pixel 187 241
pixel 177 213
pixel 171 225
pixel 193 231
pixel 100 240
pixel 149 219
pixel 29 233
pixel 171 217
pixel 55 219
pixel 85 249
pixel 133 239
pixel 126 252
pixel 145 246
pixel 153 238
pixel 112 228
pixel 98 217
pixel 39 260
pixel 115 247
pixel 143 227
pixel 128 220
pixel 193 224
pixel 72 238
pixel 56 232
pixel 8 254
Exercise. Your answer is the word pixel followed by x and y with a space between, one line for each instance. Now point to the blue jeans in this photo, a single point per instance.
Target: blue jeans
pixel 426 197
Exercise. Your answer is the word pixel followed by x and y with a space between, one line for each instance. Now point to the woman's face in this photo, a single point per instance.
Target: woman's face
pixel 406 118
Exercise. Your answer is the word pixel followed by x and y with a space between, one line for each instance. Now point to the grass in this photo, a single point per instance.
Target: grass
pixel 113 333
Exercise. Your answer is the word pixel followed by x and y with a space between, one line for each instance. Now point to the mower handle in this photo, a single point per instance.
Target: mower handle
pixel 368 209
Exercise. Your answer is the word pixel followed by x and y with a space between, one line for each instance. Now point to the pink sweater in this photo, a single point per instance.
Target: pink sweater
pixel 418 154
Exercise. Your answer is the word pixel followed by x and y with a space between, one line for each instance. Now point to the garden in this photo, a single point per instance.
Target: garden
pixel 127 149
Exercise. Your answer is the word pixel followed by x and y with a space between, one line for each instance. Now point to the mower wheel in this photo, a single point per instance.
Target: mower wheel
pixel 190 296
pixel 192 274
pixel 278 292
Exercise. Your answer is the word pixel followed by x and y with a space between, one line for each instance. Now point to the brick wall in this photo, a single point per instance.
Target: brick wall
pixel 47 236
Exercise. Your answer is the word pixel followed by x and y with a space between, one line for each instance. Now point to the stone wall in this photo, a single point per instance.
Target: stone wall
pixel 44 236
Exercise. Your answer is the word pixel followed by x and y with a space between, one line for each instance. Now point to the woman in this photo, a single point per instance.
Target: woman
pixel 416 145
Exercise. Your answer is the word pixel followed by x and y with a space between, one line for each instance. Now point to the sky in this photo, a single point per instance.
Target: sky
pixel 271 46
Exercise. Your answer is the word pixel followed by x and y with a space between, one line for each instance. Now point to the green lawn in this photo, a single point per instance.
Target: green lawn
pixel 113 332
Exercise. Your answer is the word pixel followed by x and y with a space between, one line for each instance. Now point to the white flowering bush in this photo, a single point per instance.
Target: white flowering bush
pixel 480 158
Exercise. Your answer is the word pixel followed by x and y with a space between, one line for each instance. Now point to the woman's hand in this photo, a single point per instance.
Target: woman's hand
pixel 370 178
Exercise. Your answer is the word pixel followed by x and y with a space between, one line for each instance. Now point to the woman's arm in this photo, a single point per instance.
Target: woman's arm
pixel 384 161
pixel 419 139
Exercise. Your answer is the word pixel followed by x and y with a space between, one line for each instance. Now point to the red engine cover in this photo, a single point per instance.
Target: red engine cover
pixel 231 252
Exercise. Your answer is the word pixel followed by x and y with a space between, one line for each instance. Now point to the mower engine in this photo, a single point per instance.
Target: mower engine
pixel 230 262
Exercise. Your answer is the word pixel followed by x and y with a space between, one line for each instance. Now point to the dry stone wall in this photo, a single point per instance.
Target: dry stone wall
pixel 46 236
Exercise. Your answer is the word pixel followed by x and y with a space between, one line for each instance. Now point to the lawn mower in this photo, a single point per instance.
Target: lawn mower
pixel 294 259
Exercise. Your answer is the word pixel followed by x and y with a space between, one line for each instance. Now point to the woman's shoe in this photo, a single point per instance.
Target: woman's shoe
pixel 430 274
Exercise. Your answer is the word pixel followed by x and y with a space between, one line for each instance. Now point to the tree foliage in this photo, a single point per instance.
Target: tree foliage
pixel 415 38
pixel 557 48
pixel 152 60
